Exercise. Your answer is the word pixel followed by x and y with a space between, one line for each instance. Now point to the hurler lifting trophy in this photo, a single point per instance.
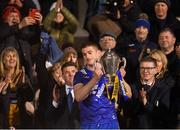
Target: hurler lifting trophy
pixel 111 62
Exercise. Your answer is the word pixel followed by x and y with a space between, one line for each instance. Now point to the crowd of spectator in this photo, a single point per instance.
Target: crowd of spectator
pixel 49 80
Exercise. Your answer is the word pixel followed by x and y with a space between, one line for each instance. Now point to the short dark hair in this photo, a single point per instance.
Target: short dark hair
pixel 148 59
pixel 67 64
pixel 167 29
pixel 90 43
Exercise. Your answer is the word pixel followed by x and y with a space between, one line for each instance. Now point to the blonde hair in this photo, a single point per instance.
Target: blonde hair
pixel 2 66
pixel 163 60
pixel 55 67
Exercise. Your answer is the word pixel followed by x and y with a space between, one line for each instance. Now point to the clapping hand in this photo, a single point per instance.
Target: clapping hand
pixel 143 95
pixel 29 108
pixel 5 83
pixel 3 86
pixel 56 93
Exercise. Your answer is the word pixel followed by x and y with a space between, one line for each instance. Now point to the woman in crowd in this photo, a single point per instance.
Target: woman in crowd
pixel 15 91
pixel 70 54
pixel 61 24
pixel 164 76
pixel 161 60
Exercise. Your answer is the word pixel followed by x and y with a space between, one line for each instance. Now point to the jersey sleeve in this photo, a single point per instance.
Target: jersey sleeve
pixel 78 78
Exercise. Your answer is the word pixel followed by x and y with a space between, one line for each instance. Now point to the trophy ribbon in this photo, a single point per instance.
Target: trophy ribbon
pixel 115 89
pixel 122 85
pixel 107 90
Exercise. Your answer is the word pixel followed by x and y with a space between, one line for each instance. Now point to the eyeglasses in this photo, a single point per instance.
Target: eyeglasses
pixel 147 68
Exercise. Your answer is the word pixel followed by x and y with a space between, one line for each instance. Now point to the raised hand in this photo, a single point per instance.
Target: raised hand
pixel 59 5
pixel 38 17
pixel 26 21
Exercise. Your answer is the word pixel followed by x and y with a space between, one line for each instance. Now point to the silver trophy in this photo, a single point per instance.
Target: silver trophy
pixel 111 62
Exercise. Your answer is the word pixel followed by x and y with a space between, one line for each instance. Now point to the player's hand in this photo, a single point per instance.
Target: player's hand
pixel 98 70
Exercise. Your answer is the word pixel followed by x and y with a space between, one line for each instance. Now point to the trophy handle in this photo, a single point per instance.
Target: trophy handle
pixel 124 62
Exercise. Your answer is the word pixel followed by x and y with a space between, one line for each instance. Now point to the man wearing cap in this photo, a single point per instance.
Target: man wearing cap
pixel 137 47
pixel 107 41
pixel 71 54
pixel 163 18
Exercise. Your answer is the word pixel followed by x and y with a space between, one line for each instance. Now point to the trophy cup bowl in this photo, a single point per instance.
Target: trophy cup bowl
pixel 110 63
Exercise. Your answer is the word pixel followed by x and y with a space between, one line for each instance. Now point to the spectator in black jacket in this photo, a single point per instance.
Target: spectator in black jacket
pixel 151 97
pixel 167 42
pixel 62 113
pixel 162 18
pixel 47 79
pixel 137 47
pixel 49 75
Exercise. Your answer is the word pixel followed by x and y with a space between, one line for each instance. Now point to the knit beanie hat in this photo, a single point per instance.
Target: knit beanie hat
pixel 142 22
pixel 167 2
pixel 9 9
